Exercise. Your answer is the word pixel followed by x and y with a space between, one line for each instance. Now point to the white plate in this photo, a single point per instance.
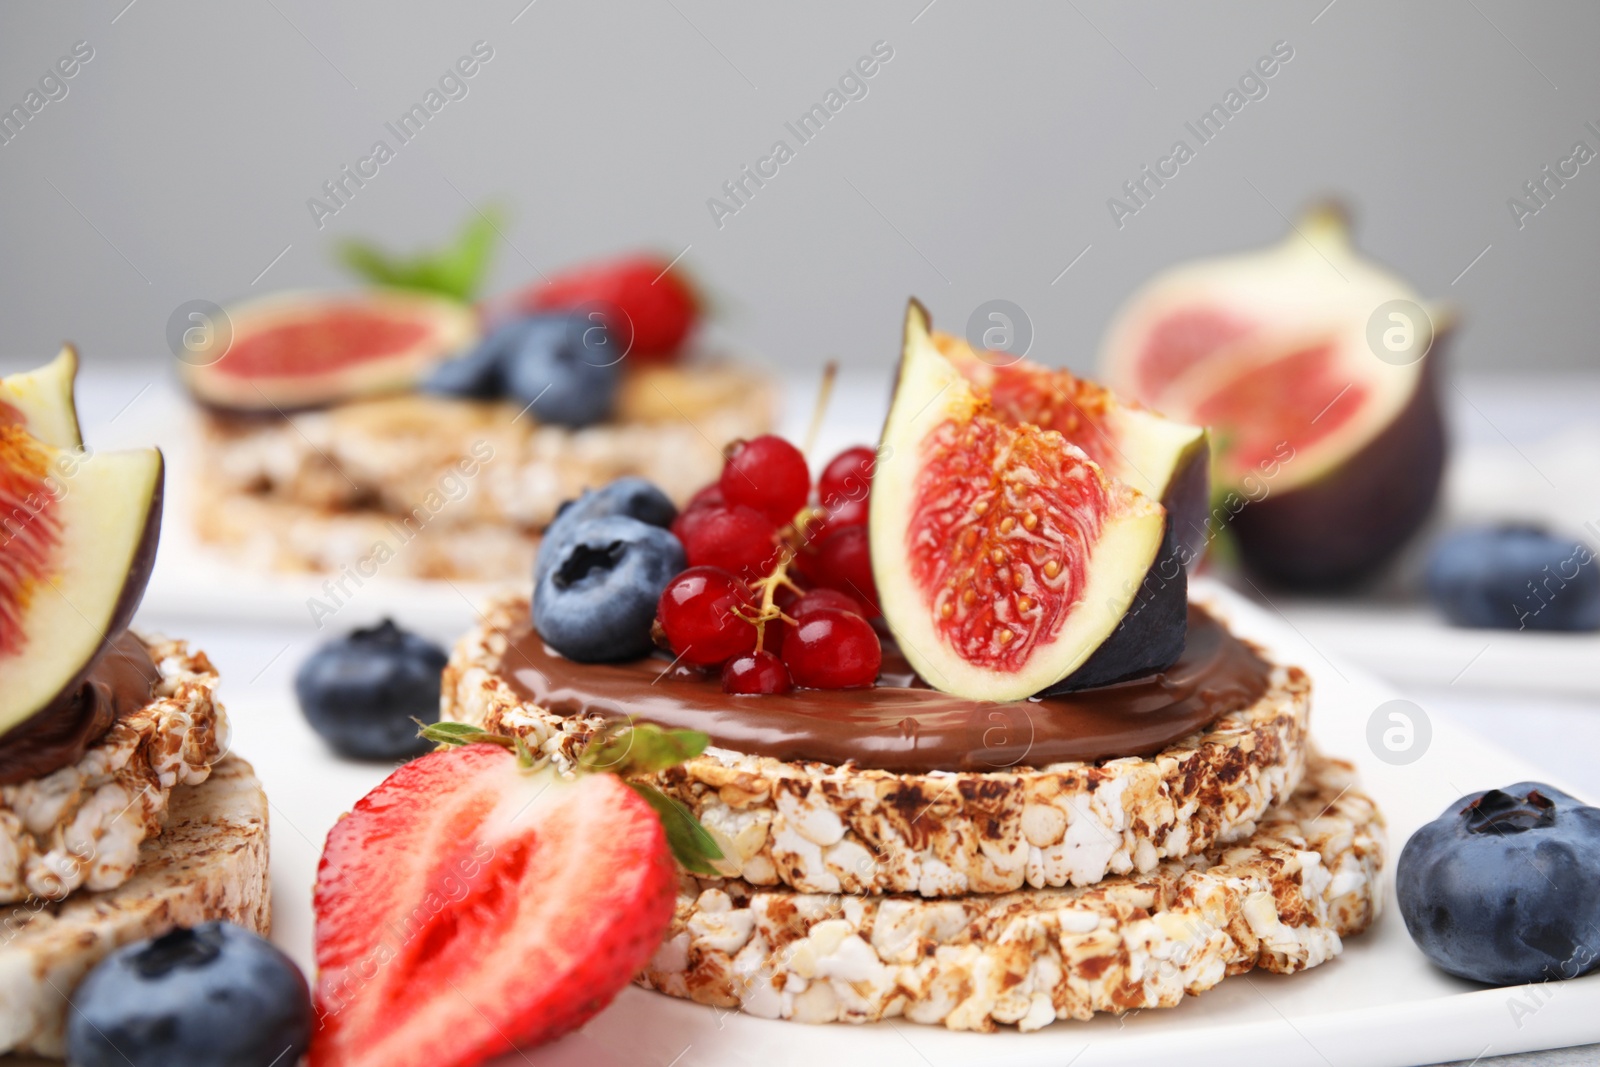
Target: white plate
pixel 1379 1003
pixel 1413 645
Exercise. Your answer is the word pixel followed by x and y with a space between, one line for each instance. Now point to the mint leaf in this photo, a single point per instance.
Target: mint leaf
pixel 644 749
pixel 456 270
pixel 692 846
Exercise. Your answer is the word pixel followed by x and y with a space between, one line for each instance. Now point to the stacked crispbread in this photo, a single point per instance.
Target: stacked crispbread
pixel 430 487
pixel 975 899
pixel 156 826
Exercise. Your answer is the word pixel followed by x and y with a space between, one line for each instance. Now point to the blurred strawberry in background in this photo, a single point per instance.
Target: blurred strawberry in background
pixel 649 307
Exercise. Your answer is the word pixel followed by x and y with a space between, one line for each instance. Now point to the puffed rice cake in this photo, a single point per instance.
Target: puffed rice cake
pixel 822 828
pixel 1282 899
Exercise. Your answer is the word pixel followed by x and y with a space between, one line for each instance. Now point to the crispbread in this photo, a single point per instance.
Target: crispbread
pixel 826 829
pixel 389 454
pixel 268 533
pixel 1281 900
pixel 210 862
pixel 83 824
pixel 421 486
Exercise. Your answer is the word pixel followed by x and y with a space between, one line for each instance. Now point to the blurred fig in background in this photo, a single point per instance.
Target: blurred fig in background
pixel 1317 373
pixel 293 351
pixel 1515 578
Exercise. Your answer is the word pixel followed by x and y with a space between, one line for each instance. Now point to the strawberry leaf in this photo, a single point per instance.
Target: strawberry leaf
pixel 691 845
pixel 456 270
pixel 644 749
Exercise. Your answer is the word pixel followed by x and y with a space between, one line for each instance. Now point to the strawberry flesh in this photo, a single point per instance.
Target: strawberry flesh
pixel 466 908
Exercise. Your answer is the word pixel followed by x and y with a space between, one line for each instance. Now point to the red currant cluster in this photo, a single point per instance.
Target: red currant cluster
pixel 779 589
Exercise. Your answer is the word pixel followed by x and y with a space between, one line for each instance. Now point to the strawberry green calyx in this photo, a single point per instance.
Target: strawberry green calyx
pixel 643 749
pixel 452 734
pixel 625 751
pixel 691 845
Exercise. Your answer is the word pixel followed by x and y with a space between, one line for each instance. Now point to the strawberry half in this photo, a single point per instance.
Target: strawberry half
pixel 467 907
pixel 658 307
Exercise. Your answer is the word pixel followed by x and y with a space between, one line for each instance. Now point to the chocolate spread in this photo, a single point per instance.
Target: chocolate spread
pixel 119 683
pixel 902 725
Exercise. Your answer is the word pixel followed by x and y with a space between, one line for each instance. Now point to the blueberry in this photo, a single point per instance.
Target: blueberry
pixel 478 375
pixel 212 996
pixel 566 367
pixel 361 692
pixel 630 496
pixel 1504 887
pixel 1515 578
pixel 596 602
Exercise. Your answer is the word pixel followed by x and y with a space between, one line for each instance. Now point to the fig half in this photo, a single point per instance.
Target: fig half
pixel 1162 458
pixel 78 536
pixel 1003 555
pixel 43 400
pixel 305 350
pixel 1315 370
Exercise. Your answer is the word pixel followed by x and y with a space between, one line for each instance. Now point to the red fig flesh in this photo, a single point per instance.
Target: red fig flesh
pixel 300 350
pixel 1003 555
pixel 78 535
pixel 1315 371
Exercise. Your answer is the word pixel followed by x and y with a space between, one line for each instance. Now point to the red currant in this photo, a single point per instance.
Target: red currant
pixel 772 635
pixel 786 597
pixel 844 562
pixel 770 475
pixel 756 673
pixel 833 649
pixel 818 599
pixel 699 611
pixel 848 513
pixel 846 481
pixel 735 538
pixel 811 529
pixel 708 497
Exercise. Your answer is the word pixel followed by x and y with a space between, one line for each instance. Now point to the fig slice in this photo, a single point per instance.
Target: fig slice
pixel 78 536
pixel 1003 555
pixel 303 350
pixel 1328 447
pixel 43 400
pixel 1162 458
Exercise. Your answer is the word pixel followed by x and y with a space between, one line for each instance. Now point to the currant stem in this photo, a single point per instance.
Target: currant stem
pixel 824 394
pixel 769 585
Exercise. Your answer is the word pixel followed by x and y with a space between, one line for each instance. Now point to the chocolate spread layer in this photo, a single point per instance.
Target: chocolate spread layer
pixel 902 725
pixel 120 682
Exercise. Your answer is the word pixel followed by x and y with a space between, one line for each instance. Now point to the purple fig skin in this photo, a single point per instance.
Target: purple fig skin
pixel 1340 530
pixel 144 557
pixel 1188 499
pixel 1152 635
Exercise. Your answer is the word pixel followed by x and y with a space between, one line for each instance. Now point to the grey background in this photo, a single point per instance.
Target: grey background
pixel 978 166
